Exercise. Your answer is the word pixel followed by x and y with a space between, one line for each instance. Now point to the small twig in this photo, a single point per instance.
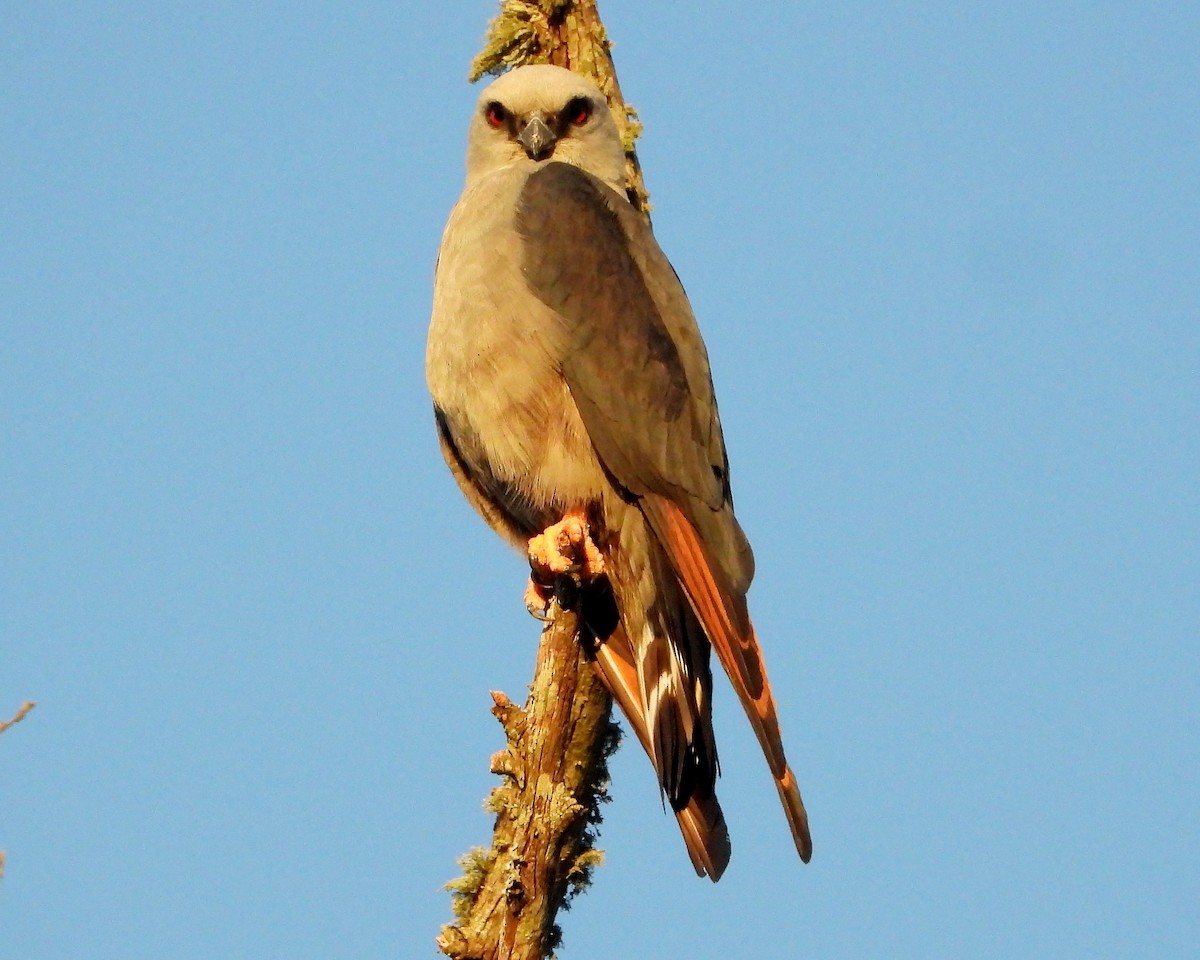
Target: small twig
pixel 20 715
pixel 4 725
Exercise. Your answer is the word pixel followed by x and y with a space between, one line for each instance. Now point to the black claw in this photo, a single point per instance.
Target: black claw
pixel 598 608
pixel 566 591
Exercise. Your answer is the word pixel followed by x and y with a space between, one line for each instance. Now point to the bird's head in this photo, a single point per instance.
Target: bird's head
pixel 541 112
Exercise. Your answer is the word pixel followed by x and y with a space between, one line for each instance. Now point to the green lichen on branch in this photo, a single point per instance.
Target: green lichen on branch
pixel 520 33
pixel 464 891
pixel 579 876
pixel 588 856
pixel 631 129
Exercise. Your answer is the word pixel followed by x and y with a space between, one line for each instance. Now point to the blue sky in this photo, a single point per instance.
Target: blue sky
pixel 947 262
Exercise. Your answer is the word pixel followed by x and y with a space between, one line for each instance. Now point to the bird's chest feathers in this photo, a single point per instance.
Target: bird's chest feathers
pixel 495 353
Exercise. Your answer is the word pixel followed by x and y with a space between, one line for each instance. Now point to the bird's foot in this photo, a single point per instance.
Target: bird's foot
pixel 567 547
pixel 561 558
pixel 538 597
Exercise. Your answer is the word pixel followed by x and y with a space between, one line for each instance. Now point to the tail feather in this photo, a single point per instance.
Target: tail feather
pixel 726 621
pixel 706 836
pixel 700 821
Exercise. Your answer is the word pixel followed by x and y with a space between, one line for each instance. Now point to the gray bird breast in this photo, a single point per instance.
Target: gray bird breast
pixel 494 358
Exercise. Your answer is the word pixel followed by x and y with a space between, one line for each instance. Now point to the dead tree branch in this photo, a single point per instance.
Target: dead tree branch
pixel 554 779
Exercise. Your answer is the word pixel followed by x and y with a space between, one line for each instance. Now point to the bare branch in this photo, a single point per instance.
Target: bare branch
pixel 19 716
pixel 4 725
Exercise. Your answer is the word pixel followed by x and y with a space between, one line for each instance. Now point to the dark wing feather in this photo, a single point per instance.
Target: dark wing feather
pixel 590 257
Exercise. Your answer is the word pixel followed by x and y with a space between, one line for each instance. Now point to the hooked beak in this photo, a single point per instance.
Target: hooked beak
pixel 537 139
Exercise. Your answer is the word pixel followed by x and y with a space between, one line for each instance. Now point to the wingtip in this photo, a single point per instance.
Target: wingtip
pixel 797 816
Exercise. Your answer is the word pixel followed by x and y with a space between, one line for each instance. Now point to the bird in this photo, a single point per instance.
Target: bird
pixel 573 400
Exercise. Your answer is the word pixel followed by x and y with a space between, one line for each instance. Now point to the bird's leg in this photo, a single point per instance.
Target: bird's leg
pixel 561 558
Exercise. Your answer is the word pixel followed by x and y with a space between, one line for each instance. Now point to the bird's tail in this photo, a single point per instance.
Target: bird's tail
pixel 703 826
pixel 700 820
pixel 725 619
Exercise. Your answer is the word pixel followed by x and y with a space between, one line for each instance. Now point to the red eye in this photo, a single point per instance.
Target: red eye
pixel 578 111
pixel 496 115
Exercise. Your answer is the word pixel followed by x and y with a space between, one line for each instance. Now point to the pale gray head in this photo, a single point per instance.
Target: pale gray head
pixel 538 113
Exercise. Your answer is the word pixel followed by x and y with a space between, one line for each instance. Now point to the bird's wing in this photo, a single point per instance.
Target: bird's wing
pixel 636 365
pixel 639 375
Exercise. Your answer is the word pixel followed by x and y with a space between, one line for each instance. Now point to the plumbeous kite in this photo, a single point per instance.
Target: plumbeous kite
pixel 571 390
